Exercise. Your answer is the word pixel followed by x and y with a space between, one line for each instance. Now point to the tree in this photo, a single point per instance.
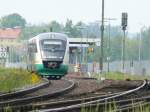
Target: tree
pixel 131 49
pixel 56 27
pixel 145 52
pixel 115 50
pixel 12 20
pixel 78 29
pixel 69 27
pixel 33 30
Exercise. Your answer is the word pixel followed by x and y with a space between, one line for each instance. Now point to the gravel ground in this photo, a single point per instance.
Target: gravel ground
pixel 85 86
pixel 55 85
pixel 102 87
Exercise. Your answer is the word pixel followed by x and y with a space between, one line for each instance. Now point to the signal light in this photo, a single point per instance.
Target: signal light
pixel 90 50
pixel 124 20
pixel 7 49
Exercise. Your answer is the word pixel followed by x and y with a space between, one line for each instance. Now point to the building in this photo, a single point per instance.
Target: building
pixel 78 48
pixel 9 35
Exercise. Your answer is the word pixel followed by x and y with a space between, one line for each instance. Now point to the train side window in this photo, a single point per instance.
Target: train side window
pixel 32 47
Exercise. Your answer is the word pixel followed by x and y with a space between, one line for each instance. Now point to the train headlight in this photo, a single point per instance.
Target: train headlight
pixel 52 65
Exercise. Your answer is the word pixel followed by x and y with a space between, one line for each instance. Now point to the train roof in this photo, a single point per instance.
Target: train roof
pixel 48 33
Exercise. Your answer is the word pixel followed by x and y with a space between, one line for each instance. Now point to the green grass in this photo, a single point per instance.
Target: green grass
pixel 141 107
pixel 120 76
pixel 12 79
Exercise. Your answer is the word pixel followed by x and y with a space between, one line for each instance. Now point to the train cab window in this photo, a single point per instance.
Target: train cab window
pixel 53 49
pixel 32 47
pixel 53 45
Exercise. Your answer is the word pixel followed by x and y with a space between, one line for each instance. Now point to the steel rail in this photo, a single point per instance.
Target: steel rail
pixel 28 107
pixel 116 103
pixel 85 78
pixel 25 91
pixel 126 104
pixel 131 106
pixel 39 97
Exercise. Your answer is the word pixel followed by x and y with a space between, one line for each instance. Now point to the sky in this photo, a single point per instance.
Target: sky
pixel 44 11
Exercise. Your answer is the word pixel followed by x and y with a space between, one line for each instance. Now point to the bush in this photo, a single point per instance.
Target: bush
pixel 11 79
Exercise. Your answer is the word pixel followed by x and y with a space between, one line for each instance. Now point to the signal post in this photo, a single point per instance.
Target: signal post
pixel 124 25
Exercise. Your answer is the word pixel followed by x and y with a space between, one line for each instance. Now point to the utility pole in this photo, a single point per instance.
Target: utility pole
pixel 140 42
pixel 81 49
pixel 87 50
pixel 108 49
pixel 102 40
pixel 124 25
pixel 108 42
pixel 123 51
pixel 81 46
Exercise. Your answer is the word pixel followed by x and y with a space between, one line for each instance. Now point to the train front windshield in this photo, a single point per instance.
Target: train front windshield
pixel 53 49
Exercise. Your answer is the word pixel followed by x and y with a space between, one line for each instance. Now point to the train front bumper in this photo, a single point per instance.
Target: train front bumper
pixel 61 71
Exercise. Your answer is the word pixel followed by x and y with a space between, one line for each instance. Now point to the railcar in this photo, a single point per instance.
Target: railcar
pixel 48 55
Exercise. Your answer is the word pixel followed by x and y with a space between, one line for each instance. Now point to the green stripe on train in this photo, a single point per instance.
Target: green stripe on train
pixel 45 71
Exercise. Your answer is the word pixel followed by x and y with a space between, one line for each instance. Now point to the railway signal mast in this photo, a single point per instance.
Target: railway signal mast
pixel 124 25
pixel 102 36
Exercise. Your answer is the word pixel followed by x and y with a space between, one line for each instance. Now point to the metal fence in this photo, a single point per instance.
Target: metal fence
pixel 11 54
pixel 137 68
pixel 16 56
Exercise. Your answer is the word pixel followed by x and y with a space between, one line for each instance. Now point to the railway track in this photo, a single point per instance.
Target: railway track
pixel 53 90
pixel 44 83
pixel 69 106
pixel 131 104
pixel 77 104
pixel 27 103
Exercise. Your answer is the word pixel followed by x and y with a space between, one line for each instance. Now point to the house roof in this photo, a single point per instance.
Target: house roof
pixel 10 33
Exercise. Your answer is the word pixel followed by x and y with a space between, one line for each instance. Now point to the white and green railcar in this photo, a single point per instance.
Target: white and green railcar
pixel 48 55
